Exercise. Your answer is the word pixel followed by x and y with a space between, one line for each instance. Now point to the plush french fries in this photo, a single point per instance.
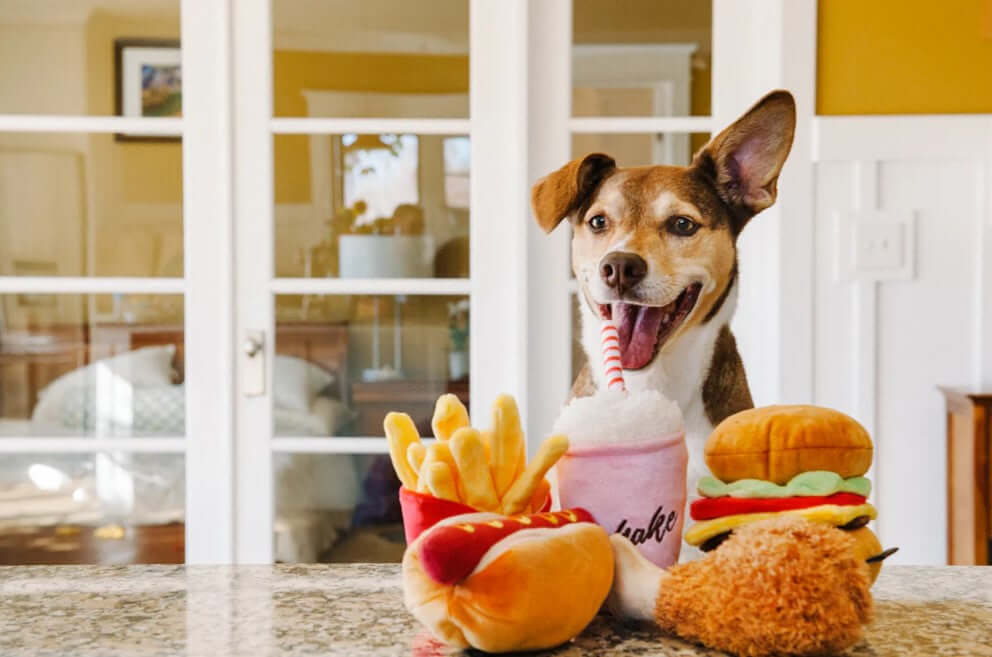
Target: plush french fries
pixel 469 453
pixel 415 454
pixel 441 481
pixel 450 415
pixel 508 443
pixel 401 432
pixel 486 470
pixel 440 452
pixel 541 494
pixel 523 488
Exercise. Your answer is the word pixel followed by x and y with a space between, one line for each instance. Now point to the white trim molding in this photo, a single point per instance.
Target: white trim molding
pixel 761 45
pixel 63 445
pixel 947 136
pixel 982 374
pixel 254 269
pixel 96 124
pixel 416 286
pixel 864 327
pixel 338 126
pixel 638 124
pixel 78 285
pixel 332 445
pixel 549 143
pixel 498 220
pixel 208 169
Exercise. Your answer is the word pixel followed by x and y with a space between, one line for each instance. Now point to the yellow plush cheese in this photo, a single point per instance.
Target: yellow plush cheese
pixel 828 513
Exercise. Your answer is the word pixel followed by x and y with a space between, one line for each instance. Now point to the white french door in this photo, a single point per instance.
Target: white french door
pixel 350 234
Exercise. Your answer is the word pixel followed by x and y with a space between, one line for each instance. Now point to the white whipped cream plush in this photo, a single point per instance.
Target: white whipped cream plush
pixel 627 467
pixel 617 416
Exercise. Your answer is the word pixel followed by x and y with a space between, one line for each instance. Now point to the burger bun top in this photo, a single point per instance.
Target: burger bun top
pixel 776 443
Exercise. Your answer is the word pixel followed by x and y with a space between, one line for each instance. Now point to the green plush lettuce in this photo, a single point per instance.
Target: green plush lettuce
pixel 808 484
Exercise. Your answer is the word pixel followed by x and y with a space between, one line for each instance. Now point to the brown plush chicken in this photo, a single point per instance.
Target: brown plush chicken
pixel 784 586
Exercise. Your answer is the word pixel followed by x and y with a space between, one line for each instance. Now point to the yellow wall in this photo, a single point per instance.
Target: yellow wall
pixel 904 56
pixel 296 70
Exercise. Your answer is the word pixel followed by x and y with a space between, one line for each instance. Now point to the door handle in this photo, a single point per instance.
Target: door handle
pixel 252 346
pixel 253 367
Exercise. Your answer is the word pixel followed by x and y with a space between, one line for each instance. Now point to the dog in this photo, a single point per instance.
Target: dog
pixel 654 248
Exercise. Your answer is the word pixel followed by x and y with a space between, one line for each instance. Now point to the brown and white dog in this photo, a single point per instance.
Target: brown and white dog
pixel 654 248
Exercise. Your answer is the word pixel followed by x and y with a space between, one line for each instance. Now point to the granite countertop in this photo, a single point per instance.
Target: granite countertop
pixel 358 610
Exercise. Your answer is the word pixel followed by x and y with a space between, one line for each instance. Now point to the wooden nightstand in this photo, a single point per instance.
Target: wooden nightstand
pixel 373 400
pixel 969 475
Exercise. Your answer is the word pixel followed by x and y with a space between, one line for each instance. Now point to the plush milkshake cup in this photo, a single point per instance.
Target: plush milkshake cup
pixel 627 467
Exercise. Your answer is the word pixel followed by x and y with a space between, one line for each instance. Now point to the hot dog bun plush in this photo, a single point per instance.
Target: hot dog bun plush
pixel 508 583
pixel 801 461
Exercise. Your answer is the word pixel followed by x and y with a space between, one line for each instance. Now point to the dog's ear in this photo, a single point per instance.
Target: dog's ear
pixel 558 194
pixel 745 159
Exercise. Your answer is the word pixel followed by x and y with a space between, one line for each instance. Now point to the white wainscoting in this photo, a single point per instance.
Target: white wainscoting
pixel 882 346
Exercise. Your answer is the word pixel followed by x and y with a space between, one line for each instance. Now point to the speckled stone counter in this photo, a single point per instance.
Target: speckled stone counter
pixel 357 610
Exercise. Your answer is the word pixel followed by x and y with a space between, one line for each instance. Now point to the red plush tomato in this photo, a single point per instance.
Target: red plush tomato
pixel 708 508
pixel 450 553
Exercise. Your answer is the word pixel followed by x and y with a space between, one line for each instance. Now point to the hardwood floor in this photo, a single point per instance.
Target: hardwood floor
pixel 68 544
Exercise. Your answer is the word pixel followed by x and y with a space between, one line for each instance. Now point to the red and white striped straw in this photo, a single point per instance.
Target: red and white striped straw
pixel 612 370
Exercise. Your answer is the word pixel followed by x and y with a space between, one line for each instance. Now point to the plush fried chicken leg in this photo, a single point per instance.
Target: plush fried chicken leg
pixel 782 586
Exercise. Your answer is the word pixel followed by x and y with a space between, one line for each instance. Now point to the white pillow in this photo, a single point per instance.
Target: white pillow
pixel 148 366
pixel 296 382
pixel 145 367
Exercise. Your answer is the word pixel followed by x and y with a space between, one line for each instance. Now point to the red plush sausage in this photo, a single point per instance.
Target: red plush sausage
pixel 708 508
pixel 450 553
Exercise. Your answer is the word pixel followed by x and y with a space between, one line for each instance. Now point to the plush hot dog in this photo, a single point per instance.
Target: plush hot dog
pixel 508 583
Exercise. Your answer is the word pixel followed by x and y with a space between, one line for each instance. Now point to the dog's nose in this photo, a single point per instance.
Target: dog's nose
pixel 622 270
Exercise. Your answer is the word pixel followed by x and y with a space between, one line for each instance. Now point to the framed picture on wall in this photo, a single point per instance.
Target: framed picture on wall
pixel 149 82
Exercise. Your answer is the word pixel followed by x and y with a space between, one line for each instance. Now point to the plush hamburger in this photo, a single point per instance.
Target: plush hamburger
pixel 802 461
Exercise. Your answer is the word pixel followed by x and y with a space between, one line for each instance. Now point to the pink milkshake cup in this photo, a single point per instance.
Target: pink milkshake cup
pixel 627 461
pixel 636 489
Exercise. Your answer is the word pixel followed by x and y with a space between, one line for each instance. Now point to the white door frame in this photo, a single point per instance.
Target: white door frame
pixel 208 220
pixel 760 45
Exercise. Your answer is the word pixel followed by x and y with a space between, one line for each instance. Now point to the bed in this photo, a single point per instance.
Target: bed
pixel 130 385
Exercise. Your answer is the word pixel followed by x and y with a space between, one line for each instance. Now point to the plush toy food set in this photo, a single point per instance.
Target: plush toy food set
pixel 482 570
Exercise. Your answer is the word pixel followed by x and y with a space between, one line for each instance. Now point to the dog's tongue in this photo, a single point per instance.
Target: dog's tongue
pixel 637 327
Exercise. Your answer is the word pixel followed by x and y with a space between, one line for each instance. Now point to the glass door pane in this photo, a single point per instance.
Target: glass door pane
pixel 106 507
pixel 375 58
pixel 642 58
pixel 92 317
pixel 111 192
pixel 370 177
pixel 372 205
pixel 99 57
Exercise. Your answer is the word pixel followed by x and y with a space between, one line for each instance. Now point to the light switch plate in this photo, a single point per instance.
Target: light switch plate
pixel 875 246
pixel 878 245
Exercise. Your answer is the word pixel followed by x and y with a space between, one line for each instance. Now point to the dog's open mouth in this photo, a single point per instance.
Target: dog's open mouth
pixel 644 329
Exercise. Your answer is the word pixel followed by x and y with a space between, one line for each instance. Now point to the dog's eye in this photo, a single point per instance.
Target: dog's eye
pixel 682 226
pixel 597 223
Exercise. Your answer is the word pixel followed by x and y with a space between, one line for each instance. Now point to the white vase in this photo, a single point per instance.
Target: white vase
pixel 457 364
